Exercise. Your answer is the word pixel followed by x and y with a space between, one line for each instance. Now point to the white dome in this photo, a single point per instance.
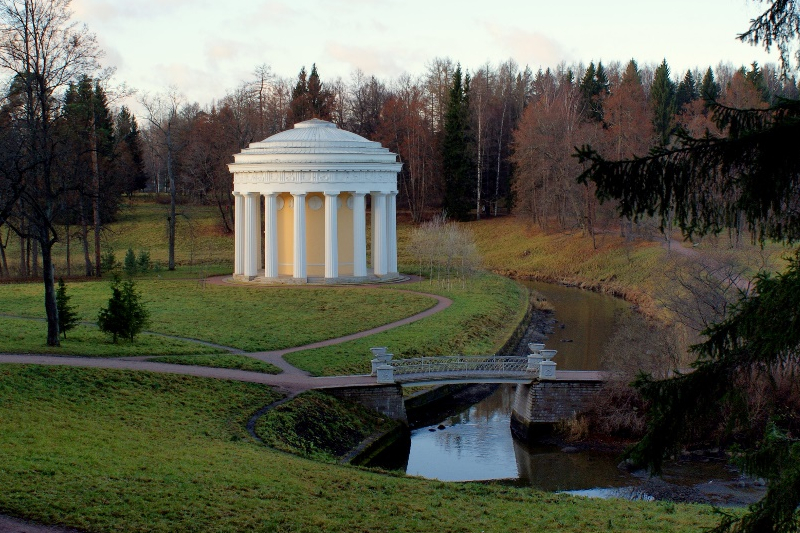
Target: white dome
pixel 316 151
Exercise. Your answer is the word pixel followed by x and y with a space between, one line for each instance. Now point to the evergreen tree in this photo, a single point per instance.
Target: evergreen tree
pixel 709 89
pixel 299 107
pixel 320 99
pixel 594 88
pixel 687 91
pixel 662 102
pixel 756 76
pixel 130 157
pixel 456 160
pixel 125 316
pixel 67 317
pixel 632 74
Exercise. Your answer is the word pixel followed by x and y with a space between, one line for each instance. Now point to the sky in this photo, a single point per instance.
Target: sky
pixel 205 48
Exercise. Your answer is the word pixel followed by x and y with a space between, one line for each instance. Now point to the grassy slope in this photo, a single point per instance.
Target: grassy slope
pixel 479 321
pixel 28 336
pixel 248 318
pixel 129 451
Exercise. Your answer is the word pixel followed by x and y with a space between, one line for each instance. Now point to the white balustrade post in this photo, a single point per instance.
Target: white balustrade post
pixel 385 373
pixel 238 232
pixel 271 235
pixel 359 235
pixel 331 235
pixel 379 233
pixel 299 270
pixel 391 232
pixel 251 234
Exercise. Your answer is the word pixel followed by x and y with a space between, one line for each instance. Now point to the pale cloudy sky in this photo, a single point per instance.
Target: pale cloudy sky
pixel 206 47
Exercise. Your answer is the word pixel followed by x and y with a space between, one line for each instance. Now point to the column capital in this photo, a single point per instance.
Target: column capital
pixel 331 193
pixel 358 194
pixel 253 194
pixel 270 194
pixel 296 194
pixel 236 193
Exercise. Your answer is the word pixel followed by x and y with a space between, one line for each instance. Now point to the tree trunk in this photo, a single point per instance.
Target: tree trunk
pixel 66 234
pixel 172 195
pixel 35 254
pixel 85 239
pixel 50 294
pixel 3 260
pixel 95 197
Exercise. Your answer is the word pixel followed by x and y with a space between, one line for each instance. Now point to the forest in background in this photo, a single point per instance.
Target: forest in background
pixel 478 143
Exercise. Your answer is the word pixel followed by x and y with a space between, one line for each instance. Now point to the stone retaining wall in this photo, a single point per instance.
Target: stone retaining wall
pixel 385 399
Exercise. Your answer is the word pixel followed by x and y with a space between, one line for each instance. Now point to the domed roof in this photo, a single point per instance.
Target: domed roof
pixel 316 151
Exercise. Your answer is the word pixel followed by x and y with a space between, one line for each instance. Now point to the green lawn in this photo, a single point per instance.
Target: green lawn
pixel 237 362
pixel 480 320
pixel 28 336
pixel 248 318
pixel 103 450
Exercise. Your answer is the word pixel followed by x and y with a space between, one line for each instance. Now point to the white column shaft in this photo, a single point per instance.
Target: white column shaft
pixel 238 233
pixel 379 233
pixel 331 235
pixel 251 234
pixel 299 270
pixel 259 230
pixel 271 235
pixel 359 235
pixel 391 232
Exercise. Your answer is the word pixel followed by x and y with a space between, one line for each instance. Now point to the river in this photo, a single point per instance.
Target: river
pixel 475 443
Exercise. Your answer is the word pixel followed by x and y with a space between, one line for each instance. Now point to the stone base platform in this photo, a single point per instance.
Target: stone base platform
pixel 371 279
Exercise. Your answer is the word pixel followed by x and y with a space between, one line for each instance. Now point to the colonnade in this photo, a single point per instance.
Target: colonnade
pixel 248 234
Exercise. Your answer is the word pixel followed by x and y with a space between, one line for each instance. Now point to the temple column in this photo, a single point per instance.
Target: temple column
pixel 379 233
pixel 238 233
pixel 252 227
pixel 331 235
pixel 359 235
pixel 258 229
pixel 391 232
pixel 299 236
pixel 271 235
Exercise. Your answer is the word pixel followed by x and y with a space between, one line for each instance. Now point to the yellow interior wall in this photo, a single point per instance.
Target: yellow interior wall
pixel 315 237
pixel 286 237
pixel 345 236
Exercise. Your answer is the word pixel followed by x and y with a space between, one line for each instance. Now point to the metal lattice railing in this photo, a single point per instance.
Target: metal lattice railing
pixel 473 366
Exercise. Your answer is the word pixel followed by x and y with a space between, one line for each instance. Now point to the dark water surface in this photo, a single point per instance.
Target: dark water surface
pixel 586 321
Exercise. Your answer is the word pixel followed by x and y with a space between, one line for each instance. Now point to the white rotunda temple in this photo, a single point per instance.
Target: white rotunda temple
pixel 314 180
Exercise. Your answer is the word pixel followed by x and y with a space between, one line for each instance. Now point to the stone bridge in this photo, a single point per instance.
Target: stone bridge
pixel 544 396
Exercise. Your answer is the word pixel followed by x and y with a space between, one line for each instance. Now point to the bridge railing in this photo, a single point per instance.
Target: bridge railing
pixel 452 367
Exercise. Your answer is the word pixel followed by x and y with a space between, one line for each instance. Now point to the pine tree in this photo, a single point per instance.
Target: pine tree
pixel 709 89
pixel 125 316
pixel 130 157
pixel 594 88
pixel 299 107
pixel 67 317
pixel 687 91
pixel 456 160
pixel 662 102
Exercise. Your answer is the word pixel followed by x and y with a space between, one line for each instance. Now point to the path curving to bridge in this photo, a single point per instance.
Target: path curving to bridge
pixel 291 381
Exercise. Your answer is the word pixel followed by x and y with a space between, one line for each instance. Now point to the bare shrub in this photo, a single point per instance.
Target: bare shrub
pixel 445 251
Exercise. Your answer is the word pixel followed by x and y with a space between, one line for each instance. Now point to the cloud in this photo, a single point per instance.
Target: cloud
pixel 374 61
pixel 526 46
pixel 114 11
pixel 223 50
